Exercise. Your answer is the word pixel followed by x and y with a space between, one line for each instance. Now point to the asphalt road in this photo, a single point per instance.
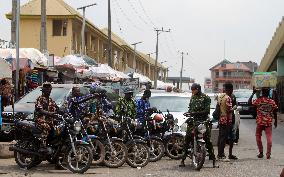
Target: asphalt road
pixel 248 164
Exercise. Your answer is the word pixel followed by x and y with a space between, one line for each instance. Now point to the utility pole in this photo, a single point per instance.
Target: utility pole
pixel 43 40
pixel 158 31
pixel 13 22
pixel 109 35
pixel 149 55
pixel 17 49
pixel 134 58
pixel 180 79
pixel 82 51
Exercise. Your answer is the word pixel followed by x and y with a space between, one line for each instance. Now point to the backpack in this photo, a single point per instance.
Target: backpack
pixel 217 112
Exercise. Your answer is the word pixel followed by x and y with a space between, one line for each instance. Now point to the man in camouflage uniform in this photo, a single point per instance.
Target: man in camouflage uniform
pixel 199 108
pixel 126 105
pixel 45 108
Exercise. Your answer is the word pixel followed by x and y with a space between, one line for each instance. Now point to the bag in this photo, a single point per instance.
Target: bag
pixel 217 112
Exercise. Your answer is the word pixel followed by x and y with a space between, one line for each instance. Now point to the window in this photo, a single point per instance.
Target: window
pixel 217 74
pixel 59 27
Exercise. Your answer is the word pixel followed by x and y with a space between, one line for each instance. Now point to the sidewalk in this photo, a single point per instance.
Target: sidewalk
pixel 281 117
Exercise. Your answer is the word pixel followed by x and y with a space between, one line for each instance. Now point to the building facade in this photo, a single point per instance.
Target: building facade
pixel 236 73
pixel 64 25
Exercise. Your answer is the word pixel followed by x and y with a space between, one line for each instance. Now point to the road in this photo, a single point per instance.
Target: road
pixel 248 164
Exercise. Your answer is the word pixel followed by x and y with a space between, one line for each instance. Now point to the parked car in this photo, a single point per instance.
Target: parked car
pixel 24 108
pixel 242 96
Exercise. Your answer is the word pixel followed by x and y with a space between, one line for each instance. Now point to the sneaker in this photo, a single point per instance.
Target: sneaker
pixel 233 157
pixel 182 164
pixel 260 155
pixel 268 156
pixel 221 157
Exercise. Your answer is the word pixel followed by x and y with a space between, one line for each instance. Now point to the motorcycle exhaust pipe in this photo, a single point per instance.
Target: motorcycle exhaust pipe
pixel 23 151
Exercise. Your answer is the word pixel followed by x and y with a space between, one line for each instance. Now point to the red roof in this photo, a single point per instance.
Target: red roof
pixel 232 66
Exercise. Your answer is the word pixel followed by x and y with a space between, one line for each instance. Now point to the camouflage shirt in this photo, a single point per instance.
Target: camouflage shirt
pixel 200 103
pixel 129 106
pixel 46 104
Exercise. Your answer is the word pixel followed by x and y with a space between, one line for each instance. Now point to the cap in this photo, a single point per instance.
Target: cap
pixel 128 90
pixel 196 86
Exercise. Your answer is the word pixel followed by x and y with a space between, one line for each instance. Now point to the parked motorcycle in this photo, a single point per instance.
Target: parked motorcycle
pixel 150 133
pixel 197 150
pixel 62 146
pixel 138 151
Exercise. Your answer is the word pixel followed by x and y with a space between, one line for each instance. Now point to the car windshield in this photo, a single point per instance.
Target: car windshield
pixel 172 103
pixel 242 94
pixel 57 94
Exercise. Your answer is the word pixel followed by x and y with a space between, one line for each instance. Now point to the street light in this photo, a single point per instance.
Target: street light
pixel 82 52
pixel 134 59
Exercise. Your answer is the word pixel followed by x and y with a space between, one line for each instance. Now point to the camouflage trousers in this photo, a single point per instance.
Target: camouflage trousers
pixel 207 139
pixel 45 126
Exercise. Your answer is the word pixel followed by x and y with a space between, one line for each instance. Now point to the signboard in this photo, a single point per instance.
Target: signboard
pixel 51 60
pixel 265 79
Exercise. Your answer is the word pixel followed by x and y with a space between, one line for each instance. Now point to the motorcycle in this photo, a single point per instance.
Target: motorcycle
pixel 165 127
pixel 197 150
pixel 148 132
pixel 62 145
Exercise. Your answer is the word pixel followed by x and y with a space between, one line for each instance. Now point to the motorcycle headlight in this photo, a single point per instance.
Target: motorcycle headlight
pixel 77 126
pixel 201 128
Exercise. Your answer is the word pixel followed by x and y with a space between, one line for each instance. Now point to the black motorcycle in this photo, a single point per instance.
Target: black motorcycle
pixel 197 149
pixel 62 145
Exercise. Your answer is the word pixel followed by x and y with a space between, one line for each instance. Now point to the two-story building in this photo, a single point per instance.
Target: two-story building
pixel 236 73
pixel 64 25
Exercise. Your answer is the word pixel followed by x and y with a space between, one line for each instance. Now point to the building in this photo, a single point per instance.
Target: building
pixel 273 60
pixel 64 26
pixel 237 73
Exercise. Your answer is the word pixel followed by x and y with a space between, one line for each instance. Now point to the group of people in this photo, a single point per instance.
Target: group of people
pixel 199 108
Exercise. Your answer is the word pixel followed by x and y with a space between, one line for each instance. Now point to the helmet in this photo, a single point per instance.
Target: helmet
pixel 158 118
pixel 128 90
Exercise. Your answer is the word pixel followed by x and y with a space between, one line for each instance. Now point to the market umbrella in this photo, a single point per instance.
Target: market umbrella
pixel 142 78
pixel 103 71
pixel 5 68
pixel 72 61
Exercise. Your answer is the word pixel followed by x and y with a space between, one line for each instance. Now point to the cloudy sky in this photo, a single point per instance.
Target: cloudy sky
pixel 198 27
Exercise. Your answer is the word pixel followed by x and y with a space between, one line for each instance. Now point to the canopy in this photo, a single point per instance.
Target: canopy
pixel 162 85
pixel 32 54
pixel 6 71
pixel 77 61
pixel 103 71
pixel 142 78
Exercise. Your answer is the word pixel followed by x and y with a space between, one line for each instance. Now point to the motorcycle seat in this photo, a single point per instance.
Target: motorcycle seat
pixel 29 125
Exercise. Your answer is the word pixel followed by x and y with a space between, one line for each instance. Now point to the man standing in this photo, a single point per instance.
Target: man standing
pixel 266 111
pixel 199 109
pixel 226 122
pixel 143 105
pixel 126 105
pixel 45 108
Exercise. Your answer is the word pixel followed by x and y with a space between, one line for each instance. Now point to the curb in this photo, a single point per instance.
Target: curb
pixel 4 150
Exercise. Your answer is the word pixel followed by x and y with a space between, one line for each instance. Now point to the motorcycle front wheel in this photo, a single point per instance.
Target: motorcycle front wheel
pixel 115 154
pixel 157 150
pixel 138 155
pixel 82 161
pixel 174 147
pixel 199 157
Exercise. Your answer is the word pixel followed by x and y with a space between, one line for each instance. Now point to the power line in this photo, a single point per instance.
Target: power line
pixel 136 12
pixel 117 21
pixel 146 14
pixel 126 17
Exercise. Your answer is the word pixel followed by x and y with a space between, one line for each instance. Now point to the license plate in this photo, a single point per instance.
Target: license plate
pixel 6 127
pixel 246 108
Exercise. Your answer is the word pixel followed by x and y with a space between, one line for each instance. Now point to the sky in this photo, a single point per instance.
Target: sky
pixel 208 30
